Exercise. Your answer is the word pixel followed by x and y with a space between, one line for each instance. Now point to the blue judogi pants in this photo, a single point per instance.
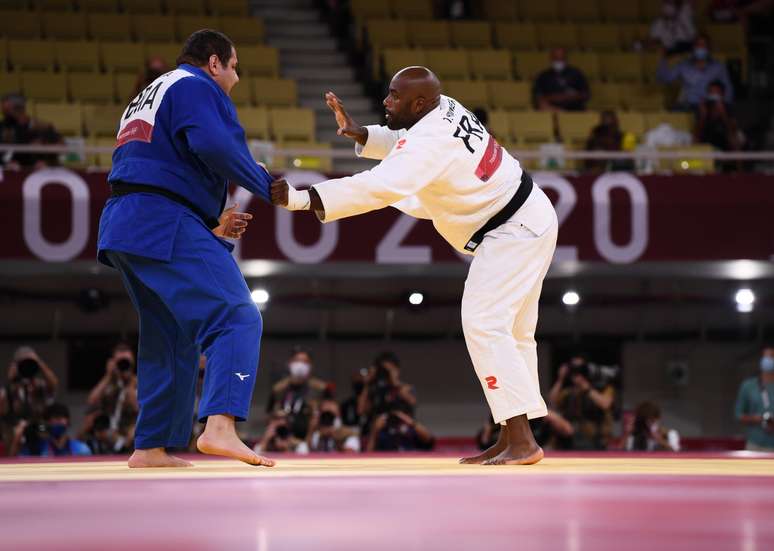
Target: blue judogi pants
pixel 196 302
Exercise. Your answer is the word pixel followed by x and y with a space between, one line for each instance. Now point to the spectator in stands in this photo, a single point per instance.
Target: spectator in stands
pixel 606 136
pixel 383 389
pixel 397 430
pixel 585 398
pixel 48 439
pixel 155 66
pixel 279 438
pixel 674 30
pixel 349 412
pixel 19 128
pixel 715 123
pixel 561 87
pixel 696 73
pixel 297 395
pixel 327 435
pixel 646 433
pixel 115 395
pixel 755 405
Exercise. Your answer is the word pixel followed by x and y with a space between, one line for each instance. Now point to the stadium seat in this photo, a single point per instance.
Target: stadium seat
pixel 102 160
pixel 397 59
pixel 500 10
pixel 77 56
pixel 3 55
pixel 539 10
pixel 19 24
pixel 91 87
pixel 650 10
pixel 126 84
pixel 292 123
pixel 631 33
pixel 387 33
pixel 531 126
pixel 471 34
pixel 679 121
pixel 17 5
pixel 490 64
pixel 187 7
pixel 186 25
pixel 99 6
pixel 122 56
pixel 9 82
pixel 605 95
pixel 31 54
pixel 576 11
pixel 728 38
pixel 600 37
pixel 66 117
pixel 530 64
pixel 255 121
pixel 53 5
pixel 364 10
pixel 553 35
pixel 448 64
pixel 274 92
pixel 109 26
pixel 618 11
pixel 259 61
pixel 412 9
pixel 510 95
pixel 64 26
pixel 234 8
pixel 516 36
pixel 633 122
pixel 575 127
pixel 587 62
pixel 143 6
pixel 640 97
pixel 169 52
pixel 243 30
pixel 154 28
pixel 621 67
pixel 499 125
pixel 472 94
pixel 308 161
pixel 44 86
pixel 241 94
pixel 429 34
pixel 102 120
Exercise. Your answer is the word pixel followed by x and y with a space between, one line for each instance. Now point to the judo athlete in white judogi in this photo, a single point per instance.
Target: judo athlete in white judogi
pixel 439 162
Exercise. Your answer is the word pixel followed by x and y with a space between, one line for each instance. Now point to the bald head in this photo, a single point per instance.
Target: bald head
pixel 414 91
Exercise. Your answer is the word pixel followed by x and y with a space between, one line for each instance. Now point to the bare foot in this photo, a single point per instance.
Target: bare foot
pixel 156 457
pixel 511 457
pixel 499 446
pixel 230 446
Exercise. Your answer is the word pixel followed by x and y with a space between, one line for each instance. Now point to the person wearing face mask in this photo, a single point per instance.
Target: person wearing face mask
pixel 18 127
pixel 646 432
pixel 562 87
pixel 606 136
pixel 695 74
pixel 674 29
pixel 715 123
pixel 755 405
pixel 50 438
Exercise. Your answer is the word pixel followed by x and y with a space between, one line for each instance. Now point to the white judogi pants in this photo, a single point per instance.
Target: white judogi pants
pixel 500 308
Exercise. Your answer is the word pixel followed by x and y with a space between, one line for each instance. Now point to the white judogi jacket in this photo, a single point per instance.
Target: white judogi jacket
pixel 446 168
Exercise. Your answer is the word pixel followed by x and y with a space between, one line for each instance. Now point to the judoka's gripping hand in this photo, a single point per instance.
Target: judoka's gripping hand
pixel 232 224
pixel 286 196
pixel 347 125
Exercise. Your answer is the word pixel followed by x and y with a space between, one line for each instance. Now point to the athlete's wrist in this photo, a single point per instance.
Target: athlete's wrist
pixel 298 199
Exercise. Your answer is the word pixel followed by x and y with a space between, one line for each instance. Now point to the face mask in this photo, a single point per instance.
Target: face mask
pixel 57 430
pixel 714 97
pixel 767 364
pixel 299 369
pixel 558 66
pixel 700 53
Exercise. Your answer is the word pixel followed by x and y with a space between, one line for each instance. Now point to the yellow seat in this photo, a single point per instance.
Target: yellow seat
pixel 641 97
pixel 292 123
pixel 234 8
pixel 530 64
pixel 102 160
pixel 632 121
pixel 91 87
pixel 510 95
pixel 412 9
pixel 539 10
pixel 99 6
pixel 650 63
pixel 600 37
pixel 154 28
pixel 632 33
pixel 429 34
pixel 605 96
pixel 617 11
pixel 186 25
pixel 581 11
pixel 186 7
pixel 727 38
pixel 395 60
pixel 306 161
pixel 471 34
pixel 650 10
pixel 9 83
pixel 31 54
pixel 44 86
pixel 53 5
pixel 102 120
pixel 255 121
pixel 679 121
pixel 499 125
pixel 274 92
pixel 64 26
pixel 77 56
pixel 241 94
pixel 491 64
pixel 168 51
pixel 448 64
pixel 575 127
pixel 370 9
pixel 621 67
pixel 122 56
pixel 19 24
pixel 500 10
pixel 143 6
pixel 472 94
pixel 66 118
pixel 516 36
pixel 259 61
pixel 587 62
pixel 109 26
pixel 243 30
pixel 553 35
pixel 15 4
pixel 126 87
pixel 531 126
pixel 387 33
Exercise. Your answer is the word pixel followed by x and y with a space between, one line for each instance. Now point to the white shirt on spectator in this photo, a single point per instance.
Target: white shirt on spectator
pixel 670 32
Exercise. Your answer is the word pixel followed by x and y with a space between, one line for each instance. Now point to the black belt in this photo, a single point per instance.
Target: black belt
pixel 119 188
pixel 521 195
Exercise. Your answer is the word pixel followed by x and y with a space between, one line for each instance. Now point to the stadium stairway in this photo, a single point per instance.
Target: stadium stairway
pixel 309 55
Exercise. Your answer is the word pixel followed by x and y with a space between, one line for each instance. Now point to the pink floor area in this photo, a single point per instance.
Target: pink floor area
pixel 399 512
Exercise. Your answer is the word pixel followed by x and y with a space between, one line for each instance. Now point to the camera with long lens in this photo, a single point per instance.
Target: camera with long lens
pixel 124 365
pixel 28 368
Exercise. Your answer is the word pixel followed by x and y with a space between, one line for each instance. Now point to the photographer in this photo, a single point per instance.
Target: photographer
pixel 47 439
pixel 383 388
pixel 645 432
pixel 754 407
pixel 327 435
pixel 279 438
pixel 102 439
pixel 398 431
pixel 115 395
pixel 584 396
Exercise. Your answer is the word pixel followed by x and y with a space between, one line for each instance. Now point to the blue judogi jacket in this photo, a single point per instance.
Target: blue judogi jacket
pixel 180 134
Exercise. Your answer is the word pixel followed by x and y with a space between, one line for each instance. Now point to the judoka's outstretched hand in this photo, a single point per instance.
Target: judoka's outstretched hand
pixel 347 126
pixel 232 224
pixel 279 193
pixel 286 196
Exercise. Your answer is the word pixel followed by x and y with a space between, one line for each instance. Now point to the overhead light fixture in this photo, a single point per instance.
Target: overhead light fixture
pixel 416 298
pixel 745 299
pixel 260 296
pixel 570 298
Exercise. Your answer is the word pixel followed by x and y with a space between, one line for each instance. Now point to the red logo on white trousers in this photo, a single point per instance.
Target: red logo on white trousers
pixel 491 382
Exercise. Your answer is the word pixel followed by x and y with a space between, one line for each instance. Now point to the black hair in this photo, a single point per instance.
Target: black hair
pixel 57 410
pixel 387 357
pixel 205 43
pixel 298 349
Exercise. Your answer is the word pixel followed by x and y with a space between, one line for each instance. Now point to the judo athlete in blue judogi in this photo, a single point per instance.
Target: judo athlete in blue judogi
pixel 178 146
